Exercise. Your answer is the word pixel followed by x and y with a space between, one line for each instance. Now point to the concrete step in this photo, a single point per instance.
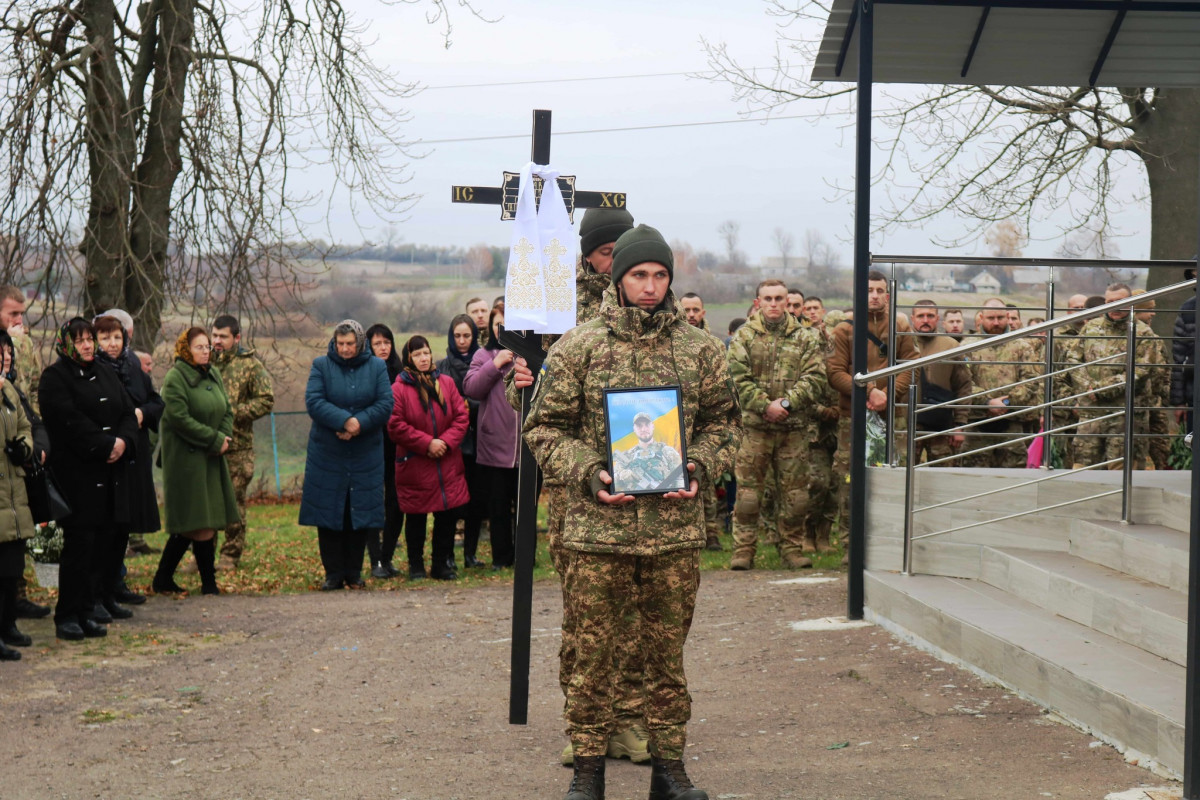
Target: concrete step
pixel 1118 692
pixel 1130 609
pixel 1153 553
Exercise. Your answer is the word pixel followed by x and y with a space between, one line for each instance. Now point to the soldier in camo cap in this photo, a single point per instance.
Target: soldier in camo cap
pixel 647 465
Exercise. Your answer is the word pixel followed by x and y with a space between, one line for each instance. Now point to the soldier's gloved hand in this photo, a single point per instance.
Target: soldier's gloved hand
pixel 693 487
pixel 600 481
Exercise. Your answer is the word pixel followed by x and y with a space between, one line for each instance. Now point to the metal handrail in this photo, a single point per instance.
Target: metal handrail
pixel 958 354
pixel 863 379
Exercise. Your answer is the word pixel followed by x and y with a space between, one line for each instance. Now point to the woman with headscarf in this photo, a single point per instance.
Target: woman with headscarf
pixel 462 343
pixel 428 424
pixel 196 430
pixel 93 432
pixel 16 523
pixel 497 446
pixel 381 545
pixel 112 350
pixel 349 400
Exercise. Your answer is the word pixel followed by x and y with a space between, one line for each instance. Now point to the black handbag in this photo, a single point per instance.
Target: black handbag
pixel 935 419
pixel 46 501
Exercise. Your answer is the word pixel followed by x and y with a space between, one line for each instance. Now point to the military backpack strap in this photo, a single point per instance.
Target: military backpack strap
pixel 878 343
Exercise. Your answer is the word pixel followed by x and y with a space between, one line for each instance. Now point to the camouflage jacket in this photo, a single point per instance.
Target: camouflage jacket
pixel 626 347
pixel 28 367
pixel 1020 362
pixel 1106 381
pixel 776 360
pixel 248 385
pixel 644 467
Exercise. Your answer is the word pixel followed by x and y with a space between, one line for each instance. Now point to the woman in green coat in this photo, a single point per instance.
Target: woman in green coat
pixel 16 524
pixel 195 432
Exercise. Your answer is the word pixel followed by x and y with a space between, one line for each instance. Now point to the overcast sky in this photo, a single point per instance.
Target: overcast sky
pixel 683 180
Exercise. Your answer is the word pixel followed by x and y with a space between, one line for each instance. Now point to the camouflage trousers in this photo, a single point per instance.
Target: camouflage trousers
pixel 788 452
pixel 822 495
pixel 768 512
pixel 628 695
pixel 1160 445
pixel 936 448
pixel 841 476
pixel 597 588
pixel 241 472
pixel 712 510
pixel 1007 457
pixel 1102 440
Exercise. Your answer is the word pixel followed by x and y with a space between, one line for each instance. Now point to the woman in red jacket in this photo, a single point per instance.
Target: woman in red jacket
pixel 429 421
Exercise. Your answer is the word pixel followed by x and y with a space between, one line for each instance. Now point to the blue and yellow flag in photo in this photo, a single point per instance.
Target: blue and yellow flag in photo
pixel 660 404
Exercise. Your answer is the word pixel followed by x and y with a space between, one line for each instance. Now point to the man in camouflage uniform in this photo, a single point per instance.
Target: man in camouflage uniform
pixel 998 366
pixel 248 385
pixel 648 464
pixel 1103 338
pixel 948 377
pixel 825 483
pixel 28 373
pixel 1159 445
pixel 616 546
pixel 693 310
pixel 598 232
pixel 777 366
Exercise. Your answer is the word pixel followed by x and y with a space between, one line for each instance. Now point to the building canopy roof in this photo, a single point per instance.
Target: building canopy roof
pixel 1134 43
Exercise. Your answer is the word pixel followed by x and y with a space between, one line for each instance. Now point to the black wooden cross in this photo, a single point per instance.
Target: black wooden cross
pixel 527 345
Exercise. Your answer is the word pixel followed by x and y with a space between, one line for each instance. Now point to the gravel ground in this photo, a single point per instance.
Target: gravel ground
pixel 404 695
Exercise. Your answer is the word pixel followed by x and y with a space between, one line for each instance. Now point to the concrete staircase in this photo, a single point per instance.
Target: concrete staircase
pixel 1069 607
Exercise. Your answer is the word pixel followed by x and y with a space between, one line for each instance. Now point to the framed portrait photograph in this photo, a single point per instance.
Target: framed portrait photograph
pixel 644 432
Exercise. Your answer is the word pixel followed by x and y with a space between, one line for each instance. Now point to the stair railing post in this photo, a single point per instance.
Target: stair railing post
pixel 1127 461
pixel 1048 384
pixel 909 474
pixel 890 457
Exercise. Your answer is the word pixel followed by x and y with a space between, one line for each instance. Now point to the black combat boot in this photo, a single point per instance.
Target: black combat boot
pixel 588 781
pixel 669 781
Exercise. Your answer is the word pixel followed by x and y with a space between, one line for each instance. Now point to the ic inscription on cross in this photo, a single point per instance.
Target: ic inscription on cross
pixel 528 345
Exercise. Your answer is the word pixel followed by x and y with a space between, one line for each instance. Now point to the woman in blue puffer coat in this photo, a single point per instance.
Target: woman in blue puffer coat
pixel 350 401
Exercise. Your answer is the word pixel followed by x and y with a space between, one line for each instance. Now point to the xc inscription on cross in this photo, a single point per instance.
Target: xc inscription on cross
pixel 528 345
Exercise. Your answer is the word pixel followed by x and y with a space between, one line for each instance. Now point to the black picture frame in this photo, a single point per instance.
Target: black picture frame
pixel 661 467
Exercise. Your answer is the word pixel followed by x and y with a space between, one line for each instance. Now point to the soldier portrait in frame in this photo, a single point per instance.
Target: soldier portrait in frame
pixel 646 451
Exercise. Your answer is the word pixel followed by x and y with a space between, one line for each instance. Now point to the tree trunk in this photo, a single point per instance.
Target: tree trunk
pixel 1170 149
pixel 150 222
pixel 110 147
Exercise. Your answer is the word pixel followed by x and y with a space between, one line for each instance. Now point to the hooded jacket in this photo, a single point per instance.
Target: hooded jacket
pixel 338 471
pixel 628 347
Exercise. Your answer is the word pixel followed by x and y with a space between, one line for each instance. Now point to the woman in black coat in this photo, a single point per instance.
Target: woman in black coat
pixel 462 341
pixel 93 432
pixel 381 545
pixel 112 350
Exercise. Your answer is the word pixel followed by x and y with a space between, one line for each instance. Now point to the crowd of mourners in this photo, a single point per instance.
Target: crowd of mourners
pixel 396 435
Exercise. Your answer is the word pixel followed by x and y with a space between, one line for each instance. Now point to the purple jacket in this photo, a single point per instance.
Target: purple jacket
pixel 496 428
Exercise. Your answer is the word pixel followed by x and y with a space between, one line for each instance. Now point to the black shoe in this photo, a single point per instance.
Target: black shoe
pixel 669 781
pixel 115 610
pixel 14 637
pixel 209 588
pixel 380 571
pixel 444 575
pixel 100 614
pixel 391 569
pixel 471 562
pixel 123 594
pixel 8 654
pixel 355 583
pixel 166 586
pixel 331 585
pixel 27 609
pixel 416 574
pixel 92 630
pixel 69 631
pixel 588 781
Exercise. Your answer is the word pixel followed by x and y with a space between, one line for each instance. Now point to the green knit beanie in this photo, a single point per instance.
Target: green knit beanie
pixel 601 226
pixel 640 245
